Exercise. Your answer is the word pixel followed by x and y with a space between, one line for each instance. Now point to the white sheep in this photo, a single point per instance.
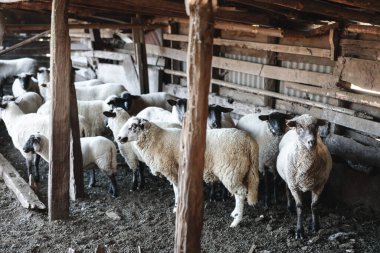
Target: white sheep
pixel 134 104
pixel 304 163
pixel 157 114
pixel 231 157
pixel 267 128
pixel 20 126
pixel 92 111
pixel 98 151
pixel 23 83
pixel 86 83
pixel 9 68
pixel 28 102
pixel 219 117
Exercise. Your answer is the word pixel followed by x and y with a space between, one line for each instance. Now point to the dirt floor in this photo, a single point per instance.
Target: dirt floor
pixel 144 220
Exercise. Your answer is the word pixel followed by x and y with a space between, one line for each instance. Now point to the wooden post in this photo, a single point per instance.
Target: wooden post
pixel 189 220
pixel 269 83
pixel 2 29
pixel 59 164
pixel 76 161
pixel 140 54
pixel 97 43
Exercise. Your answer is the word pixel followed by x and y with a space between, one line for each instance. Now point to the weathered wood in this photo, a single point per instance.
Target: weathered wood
pixel 334 44
pixel 76 161
pixel 25 42
pixel 363 73
pixel 349 121
pixel 140 56
pixel 322 30
pixel 372 5
pixel 17 184
pixel 60 65
pixel 269 83
pixel 274 72
pixel 350 150
pixel 229 26
pixel 375 30
pixel 189 220
pixel 318 52
pixel 2 29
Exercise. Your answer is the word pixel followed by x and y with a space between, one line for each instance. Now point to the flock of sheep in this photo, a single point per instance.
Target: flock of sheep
pixel 263 142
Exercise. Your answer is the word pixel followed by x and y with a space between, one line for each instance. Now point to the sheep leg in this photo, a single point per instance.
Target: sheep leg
pixel 314 212
pixel 29 162
pixel 141 176
pixel 237 214
pixel 212 191
pixel 134 180
pixel 299 229
pixel 274 188
pixel 113 187
pixel 92 179
pixel 225 193
pixel 288 199
pixel 37 159
pixel 175 189
pixel 266 189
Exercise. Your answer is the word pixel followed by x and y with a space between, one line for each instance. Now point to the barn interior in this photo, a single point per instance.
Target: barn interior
pixel 317 57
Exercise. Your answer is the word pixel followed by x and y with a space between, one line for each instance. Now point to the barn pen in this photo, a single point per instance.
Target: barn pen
pixel 316 57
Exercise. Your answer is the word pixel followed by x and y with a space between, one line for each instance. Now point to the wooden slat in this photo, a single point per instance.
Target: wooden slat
pixel 367 29
pixel 310 51
pixel 372 5
pixel 17 184
pixel 59 163
pixel 274 72
pixel 25 42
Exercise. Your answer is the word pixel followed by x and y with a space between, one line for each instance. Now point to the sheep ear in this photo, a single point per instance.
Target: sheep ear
pixel 44 85
pixel 321 122
pixel 34 79
pixel 3 105
pixel 135 96
pixel 263 117
pixel 40 71
pixel 225 109
pixel 109 114
pixel 172 102
pixel 144 124
pixel 291 123
pixel 75 69
pixel 15 76
pixel 18 100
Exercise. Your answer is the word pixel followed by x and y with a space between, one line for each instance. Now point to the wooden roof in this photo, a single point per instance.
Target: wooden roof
pixel 289 15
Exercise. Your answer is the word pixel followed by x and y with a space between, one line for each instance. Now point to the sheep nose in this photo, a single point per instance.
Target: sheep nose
pixel 311 142
pixel 119 138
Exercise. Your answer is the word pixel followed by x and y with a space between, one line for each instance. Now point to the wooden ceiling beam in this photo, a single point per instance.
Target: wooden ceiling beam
pixel 326 9
pixel 372 5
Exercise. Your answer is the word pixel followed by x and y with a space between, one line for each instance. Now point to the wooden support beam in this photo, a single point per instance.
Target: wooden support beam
pixel 2 29
pixel 17 184
pixel 25 42
pixel 322 30
pixel 76 161
pixel 140 56
pixel 334 44
pixel 269 83
pixel 59 150
pixel 366 29
pixel 42 27
pixel 189 220
pixel 372 5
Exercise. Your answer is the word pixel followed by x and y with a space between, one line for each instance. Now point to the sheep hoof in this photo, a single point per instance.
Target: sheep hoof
pixel 314 228
pixel 299 234
pixel 91 184
pixel 174 209
pixel 235 223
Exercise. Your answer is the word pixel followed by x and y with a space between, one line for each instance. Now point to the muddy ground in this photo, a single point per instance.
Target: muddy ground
pixel 146 221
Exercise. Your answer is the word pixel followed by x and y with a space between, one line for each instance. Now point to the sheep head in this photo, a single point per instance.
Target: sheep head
pixel 214 119
pixel 132 129
pixel 33 144
pixel 179 107
pixel 306 127
pixel 276 122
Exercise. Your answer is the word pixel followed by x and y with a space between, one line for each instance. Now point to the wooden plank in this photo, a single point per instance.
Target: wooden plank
pixel 349 121
pixel 372 5
pixel 59 149
pixel 360 43
pixel 189 220
pixel 274 72
pixel 310 51
pixel 25 42
pixel 363 73
pixel 367 29
pixel 269 83
pixel 17 184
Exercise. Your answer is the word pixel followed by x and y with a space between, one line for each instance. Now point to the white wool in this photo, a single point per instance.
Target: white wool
pixel 28 102
pixel 10 68
pixel 99 92
pixel 157 114
pixel 18 89
pixel 155 99
pixel 86 83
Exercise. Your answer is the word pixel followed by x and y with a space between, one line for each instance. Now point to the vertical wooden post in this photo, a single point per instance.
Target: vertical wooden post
pixel 97 43
pixel 140 54
pixel 271 84
pixel 2 29
pixel 189 220
pixel 59 164
pixel 76 161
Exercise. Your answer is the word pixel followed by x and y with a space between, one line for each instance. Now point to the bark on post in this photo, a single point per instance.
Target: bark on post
pixel 76 161
pixel 140 54
pixel 59 164
pixel 189 220
pixel 269 83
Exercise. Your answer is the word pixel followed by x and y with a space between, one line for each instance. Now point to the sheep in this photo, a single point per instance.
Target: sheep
pixel 20 126
pixel 231 156
pixel 219 117
pixel 91 82
pixel 43 80
pixel 91 110
pixel 304 163
pixel 23 83
pixel 28 102
pixel 133 104
pixel 97 151
pixel 267 128
pixel 157 114
pixel 9 68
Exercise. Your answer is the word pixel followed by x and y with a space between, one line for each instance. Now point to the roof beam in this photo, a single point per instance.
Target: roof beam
pixel 373 5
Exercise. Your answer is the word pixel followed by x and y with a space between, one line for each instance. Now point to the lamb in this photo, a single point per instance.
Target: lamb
pixel 219 117
pixel 23 83
pixel 97 151
pixel 133 104
pixel 28 102
pixel 304 163
pixel 231 157
pixel 157 114
pixel 267 128
pixel 9 68
pixel 91 110
pixel 20 126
